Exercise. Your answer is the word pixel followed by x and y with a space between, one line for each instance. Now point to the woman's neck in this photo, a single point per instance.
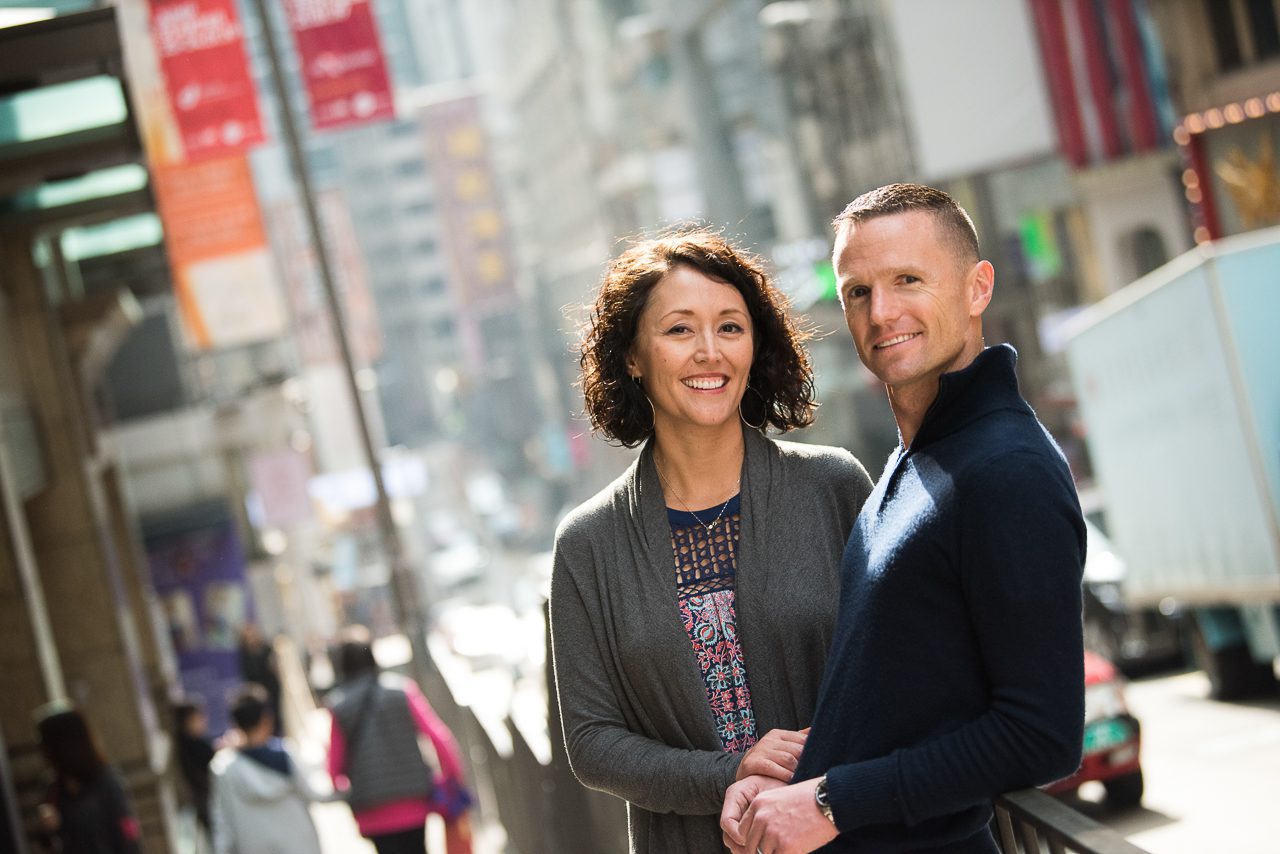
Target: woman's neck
pixel 699 471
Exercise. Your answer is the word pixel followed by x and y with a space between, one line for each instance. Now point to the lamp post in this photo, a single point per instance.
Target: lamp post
pixel 405 602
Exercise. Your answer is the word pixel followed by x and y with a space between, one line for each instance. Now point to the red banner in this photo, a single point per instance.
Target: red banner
pixel 207 77
pixel 342 63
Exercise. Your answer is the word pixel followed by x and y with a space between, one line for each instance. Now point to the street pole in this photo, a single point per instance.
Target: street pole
pixel 404 589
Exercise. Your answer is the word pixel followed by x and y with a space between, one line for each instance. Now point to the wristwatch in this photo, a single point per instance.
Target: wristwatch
pixel 822 798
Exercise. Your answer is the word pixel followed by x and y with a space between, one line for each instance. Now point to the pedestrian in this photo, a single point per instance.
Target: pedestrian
pixel 194 751
pixel 956 671
pixel 86 809
pixel 259 796
pixel 693 600
pixel 376 755
pixel 258 664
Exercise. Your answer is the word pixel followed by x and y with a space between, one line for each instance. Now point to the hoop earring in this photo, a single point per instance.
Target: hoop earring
pixel 764 404
pixel 653 413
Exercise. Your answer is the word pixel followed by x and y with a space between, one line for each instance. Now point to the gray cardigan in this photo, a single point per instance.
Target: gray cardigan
pixel 635 714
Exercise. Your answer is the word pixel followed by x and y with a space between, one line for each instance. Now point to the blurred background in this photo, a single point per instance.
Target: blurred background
pixel 288 294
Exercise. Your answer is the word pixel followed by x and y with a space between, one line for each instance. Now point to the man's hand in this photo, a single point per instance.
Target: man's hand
pixel 783 820
pixel 776 755
pixel 736 801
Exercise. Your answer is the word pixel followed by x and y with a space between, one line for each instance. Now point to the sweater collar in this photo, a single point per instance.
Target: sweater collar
pixel 648 507
pixel 985 385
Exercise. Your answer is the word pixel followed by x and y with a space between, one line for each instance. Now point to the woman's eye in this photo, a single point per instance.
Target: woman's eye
pixel 731 327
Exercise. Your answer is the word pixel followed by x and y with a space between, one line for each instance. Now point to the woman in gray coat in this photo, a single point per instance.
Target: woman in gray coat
pixel 692 601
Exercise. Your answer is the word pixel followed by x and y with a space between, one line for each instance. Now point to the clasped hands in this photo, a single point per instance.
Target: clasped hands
pixel 763 812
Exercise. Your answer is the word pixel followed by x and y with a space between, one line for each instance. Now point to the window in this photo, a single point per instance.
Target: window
pixel 1244 31
pixel 1146 251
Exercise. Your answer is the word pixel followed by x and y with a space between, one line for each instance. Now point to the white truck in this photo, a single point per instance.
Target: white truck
pixel 1178 382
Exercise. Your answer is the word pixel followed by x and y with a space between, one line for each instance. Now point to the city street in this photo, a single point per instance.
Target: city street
pixel 1212 771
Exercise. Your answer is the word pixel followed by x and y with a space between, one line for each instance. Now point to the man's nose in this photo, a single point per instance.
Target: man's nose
pixel 884 306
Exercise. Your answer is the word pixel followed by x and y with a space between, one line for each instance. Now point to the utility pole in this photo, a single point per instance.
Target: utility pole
pixel 408 611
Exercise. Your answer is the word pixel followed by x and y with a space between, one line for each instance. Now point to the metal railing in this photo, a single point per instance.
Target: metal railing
pixel 1029 822
pixel 526 785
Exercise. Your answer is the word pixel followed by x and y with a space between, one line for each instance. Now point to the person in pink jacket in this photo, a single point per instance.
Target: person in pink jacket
pixel 376 756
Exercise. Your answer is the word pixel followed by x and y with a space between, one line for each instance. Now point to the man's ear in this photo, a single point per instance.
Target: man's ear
pixel 982 283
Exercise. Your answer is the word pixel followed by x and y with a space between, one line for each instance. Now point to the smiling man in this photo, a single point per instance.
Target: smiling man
pixel 956 669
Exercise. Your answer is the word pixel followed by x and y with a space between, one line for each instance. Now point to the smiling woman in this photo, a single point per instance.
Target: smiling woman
pixel 692 352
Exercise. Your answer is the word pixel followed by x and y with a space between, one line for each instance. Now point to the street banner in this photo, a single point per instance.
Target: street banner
pixel 210 88
pixel 223 273
pixel 471 210
pixel 199 578
pixel 313 328
pixel 279 481
pixel 342 64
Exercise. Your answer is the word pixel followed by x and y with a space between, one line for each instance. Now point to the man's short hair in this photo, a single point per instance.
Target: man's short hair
pixel 249 706
pixel 904 198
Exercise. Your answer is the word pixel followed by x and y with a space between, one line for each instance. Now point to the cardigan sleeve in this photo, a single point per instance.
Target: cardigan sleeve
pixel 604 753
pixel 1021 555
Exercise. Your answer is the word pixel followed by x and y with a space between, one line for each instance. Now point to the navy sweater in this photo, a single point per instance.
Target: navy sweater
pixel 957 668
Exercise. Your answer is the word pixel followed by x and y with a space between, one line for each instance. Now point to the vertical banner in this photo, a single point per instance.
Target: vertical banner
pixel 471 211
pixel 199 576
pixel 223 274
pixel 210 88
pixel 341 60
pixel 308 307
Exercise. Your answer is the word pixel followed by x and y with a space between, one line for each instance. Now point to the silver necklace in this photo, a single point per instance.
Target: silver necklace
pixel 685 504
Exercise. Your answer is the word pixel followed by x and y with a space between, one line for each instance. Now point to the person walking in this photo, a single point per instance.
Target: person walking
pixel 957 668
pixel 195 752
pixel 256 656
pixel 693 600
pixel 259 796
pixel 86 810
pixel 376 755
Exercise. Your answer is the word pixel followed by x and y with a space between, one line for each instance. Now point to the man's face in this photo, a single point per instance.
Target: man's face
pixel 913 305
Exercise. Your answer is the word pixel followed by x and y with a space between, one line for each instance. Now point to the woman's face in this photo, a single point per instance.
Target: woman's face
pixel 692 351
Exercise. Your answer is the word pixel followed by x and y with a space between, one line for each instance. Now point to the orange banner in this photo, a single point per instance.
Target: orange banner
pixel 223 275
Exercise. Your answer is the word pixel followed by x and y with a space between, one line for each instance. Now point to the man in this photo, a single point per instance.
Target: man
pixel 259 795
pixel 956 669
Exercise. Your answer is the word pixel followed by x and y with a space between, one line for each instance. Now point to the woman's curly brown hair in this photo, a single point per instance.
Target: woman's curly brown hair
pixel 781 380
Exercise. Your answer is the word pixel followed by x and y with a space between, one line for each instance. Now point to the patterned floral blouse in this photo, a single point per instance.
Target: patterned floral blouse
pixel 705 564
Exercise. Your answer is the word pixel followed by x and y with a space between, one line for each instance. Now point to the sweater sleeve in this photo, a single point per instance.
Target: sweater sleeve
pixel 1021 556
pixel 219 812
pixel 337 760
pixel 604 753
pixel 430 725
pixel 124 832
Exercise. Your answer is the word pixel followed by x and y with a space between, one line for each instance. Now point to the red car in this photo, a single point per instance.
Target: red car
pixel 1112 738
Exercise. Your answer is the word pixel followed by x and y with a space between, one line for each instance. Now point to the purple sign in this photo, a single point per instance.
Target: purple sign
pixel 200 578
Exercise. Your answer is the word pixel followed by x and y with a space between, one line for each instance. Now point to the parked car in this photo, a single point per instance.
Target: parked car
pixel 1134 639
pixel 1112 737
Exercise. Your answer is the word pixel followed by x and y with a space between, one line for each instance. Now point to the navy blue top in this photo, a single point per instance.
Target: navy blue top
pixel 957 667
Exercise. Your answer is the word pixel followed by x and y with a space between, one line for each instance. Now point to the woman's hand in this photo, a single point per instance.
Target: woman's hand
pixel 47 818
pixel 775 755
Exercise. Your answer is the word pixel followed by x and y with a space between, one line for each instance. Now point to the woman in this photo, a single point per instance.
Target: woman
pixel 692 601
pixel 374 756
pixel 86 809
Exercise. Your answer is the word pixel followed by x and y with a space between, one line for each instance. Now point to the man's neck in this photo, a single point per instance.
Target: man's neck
pixel 909 406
